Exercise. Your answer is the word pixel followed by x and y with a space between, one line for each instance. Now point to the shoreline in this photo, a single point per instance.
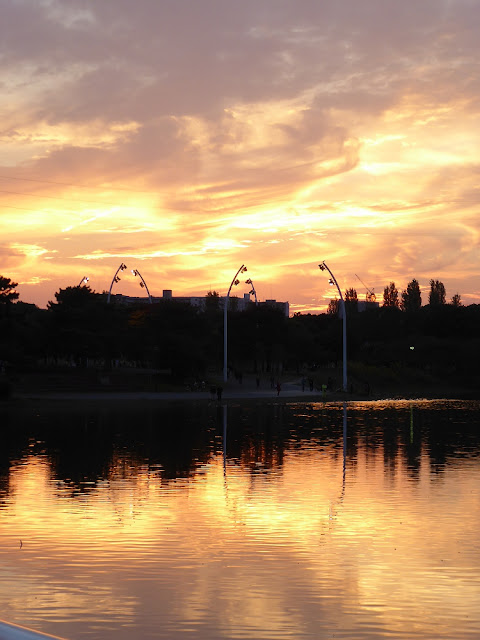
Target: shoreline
pixel 166 396
pixel 229 395
pixel 124 386
pixel 78 392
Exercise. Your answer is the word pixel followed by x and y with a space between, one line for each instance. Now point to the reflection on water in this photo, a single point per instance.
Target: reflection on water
pixel 251 521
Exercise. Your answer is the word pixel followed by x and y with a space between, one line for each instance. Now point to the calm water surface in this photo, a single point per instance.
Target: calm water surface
pixel 246 521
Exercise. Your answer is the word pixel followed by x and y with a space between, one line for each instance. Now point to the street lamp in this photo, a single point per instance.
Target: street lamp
pixel 84 280
pixel 116 278
pixel 136 272
pixel 252 290
pixel 332 281
pixel 235 282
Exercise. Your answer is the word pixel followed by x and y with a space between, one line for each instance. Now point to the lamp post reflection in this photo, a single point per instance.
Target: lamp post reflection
pixel 224 409
pixel 334 501
pixel 344 445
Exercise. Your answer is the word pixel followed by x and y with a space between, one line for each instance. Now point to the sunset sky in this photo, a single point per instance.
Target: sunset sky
pixel 187 137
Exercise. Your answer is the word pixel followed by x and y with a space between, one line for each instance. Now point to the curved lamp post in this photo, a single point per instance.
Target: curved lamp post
pixel 252 291
pixel 333 281
pixel 136 272
pixel 84 280
pixel 116 278
pixel 235 281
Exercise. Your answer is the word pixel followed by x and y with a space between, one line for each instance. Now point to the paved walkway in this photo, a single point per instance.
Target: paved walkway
pixel 231 391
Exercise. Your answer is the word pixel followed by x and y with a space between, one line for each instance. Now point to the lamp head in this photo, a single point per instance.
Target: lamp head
pixel 321 266
pixel 236 282
pixel 330 282
pixel 248 281
pixel 244 269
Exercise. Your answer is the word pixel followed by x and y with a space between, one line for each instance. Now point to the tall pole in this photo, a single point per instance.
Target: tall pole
pixel 252 290
pixel 136 272
pixel 235 281
pixel 115 279
pixel 333 280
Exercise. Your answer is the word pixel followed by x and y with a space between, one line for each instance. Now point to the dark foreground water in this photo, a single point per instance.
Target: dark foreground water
pixel 252 521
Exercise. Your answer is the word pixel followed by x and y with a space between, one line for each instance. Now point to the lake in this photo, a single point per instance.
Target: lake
pixel 254 520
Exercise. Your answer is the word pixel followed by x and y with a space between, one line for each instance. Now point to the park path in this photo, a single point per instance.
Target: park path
pixel 230 391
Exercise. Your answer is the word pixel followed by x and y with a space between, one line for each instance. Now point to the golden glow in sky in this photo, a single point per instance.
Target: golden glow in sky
pixel 186 139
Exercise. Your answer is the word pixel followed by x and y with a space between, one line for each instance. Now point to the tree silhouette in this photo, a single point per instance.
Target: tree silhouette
pixel 333 307
pixel 7 290
pixel 76 322
pixel 212 301
pixel 411 297
pixel 456 300
pixel 437 293
pixel 351 300
pixel 390 296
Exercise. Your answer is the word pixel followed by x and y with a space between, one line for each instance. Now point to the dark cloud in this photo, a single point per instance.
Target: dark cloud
pixel 120 60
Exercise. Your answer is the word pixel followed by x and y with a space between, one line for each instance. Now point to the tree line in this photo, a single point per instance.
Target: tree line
pixel 80 329
pixel 410 299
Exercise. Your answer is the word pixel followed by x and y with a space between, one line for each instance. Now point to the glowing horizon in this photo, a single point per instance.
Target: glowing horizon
pixel 187 139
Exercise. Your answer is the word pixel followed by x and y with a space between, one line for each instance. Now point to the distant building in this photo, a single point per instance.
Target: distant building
pixel 237 304
pixel 364 305
pixel 282 306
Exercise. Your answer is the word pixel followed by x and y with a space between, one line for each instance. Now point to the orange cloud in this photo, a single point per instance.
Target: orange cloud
pixel 271 139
